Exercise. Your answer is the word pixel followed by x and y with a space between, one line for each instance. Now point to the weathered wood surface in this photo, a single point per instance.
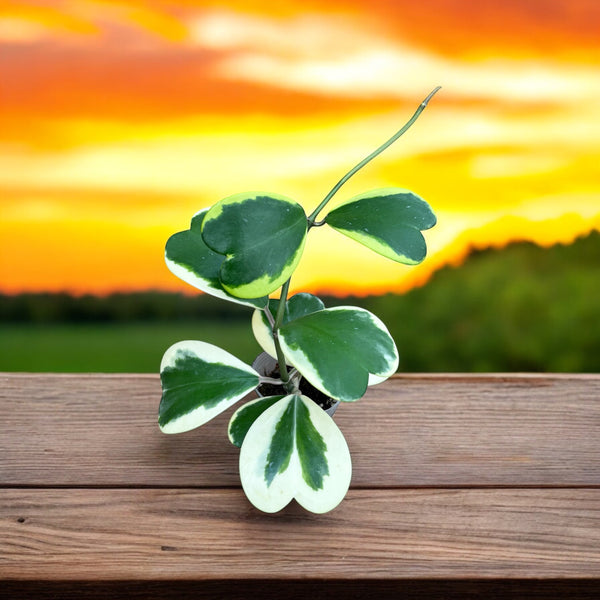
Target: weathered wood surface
pixel 215 534
pixel 412 431
pixel 463 486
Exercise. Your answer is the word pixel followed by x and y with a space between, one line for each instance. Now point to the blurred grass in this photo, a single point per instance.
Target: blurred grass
pixel 112 347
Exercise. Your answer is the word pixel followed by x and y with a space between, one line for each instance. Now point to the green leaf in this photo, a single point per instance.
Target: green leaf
pixel 295 450
pixel 190 259
pixel 200 381
pixel 244 417
pixel 388 221
pixel 262 237
pixel 337 349
pixel 297 306
pixel 281 445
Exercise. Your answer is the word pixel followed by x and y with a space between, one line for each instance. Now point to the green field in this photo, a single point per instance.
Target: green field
pixel 111 347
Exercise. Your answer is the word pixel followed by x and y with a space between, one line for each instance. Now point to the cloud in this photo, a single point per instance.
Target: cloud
pixel 332 56
pixel 307 35
pixel 21 31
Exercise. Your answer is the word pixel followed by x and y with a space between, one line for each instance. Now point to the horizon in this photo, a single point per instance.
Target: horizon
pixel 188 291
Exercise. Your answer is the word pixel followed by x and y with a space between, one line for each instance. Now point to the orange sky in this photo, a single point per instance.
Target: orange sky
pixel 121 119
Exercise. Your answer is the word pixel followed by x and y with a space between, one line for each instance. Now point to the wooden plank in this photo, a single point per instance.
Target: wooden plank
pixel 214 535
pixel 412 431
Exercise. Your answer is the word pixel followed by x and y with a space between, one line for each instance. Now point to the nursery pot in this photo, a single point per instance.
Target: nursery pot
pixel 266 365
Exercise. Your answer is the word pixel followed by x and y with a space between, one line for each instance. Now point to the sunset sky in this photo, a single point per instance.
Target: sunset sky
pixel 121 119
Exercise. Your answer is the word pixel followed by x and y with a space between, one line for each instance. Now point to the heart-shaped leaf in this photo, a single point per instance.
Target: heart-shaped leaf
pixel 199 381
pixel 297 306
pixel 295 450
pixel 190 259
pixel 389 221
pixel 244 417
pixel 262 236
pixel 337 348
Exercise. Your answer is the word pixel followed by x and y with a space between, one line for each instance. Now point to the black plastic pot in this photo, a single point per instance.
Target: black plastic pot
pixel 266 365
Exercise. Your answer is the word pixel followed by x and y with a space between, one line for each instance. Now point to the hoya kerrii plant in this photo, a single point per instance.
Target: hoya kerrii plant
pixel 243 249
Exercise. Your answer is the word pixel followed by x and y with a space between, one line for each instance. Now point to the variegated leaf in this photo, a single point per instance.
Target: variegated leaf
pixel 388 221
pixel 262 237
pixel 297 306
pixel 243 418
pixel 295 450
pixel 190 259
pixel 200 381
pixel 337 348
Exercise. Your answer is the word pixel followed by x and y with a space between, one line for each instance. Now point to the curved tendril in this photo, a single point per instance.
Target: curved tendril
pixel 362 163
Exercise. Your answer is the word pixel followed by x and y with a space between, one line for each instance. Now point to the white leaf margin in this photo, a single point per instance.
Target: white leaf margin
pixel 262 333
pixel 211 354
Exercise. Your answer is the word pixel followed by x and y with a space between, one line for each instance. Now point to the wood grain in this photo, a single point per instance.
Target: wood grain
pixel 215 535
pixel 464 486
pixel 412 431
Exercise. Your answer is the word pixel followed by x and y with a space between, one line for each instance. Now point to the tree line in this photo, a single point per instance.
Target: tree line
pixel 520 308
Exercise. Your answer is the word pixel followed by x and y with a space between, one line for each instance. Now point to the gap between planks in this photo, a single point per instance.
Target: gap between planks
pixel 352 487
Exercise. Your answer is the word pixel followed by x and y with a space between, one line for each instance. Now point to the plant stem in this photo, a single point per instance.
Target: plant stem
pixel 283 372
pixel 269 316
pixel 362 163
pixel 282 303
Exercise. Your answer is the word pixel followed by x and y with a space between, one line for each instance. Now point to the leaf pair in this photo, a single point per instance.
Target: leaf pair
pixel 290 449
pixel 247 245
pixel 242 249
pixel 340 351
